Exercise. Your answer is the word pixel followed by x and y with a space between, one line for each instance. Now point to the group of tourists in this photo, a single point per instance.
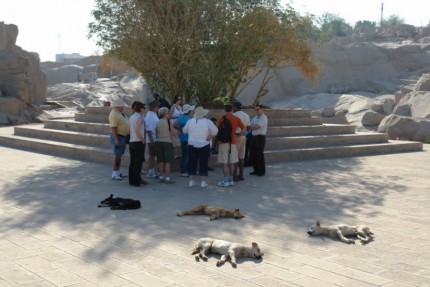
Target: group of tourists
pixel 183 131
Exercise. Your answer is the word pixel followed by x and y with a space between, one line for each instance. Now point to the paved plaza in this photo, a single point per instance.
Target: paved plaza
pixel 53 234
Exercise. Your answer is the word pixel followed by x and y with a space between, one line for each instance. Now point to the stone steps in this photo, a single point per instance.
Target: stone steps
pixel 292 135
pixel 41 131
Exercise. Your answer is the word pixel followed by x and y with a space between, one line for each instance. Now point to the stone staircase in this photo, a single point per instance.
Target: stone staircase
pixel 293 134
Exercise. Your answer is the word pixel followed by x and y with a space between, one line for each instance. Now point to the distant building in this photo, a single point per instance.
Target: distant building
pixel 66 58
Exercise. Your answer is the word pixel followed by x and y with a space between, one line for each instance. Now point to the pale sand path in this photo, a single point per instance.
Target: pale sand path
pixel 53 234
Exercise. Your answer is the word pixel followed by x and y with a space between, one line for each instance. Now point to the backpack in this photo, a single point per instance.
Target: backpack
pixel 224 131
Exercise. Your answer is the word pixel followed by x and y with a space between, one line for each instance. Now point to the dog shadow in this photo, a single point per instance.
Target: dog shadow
pixel 356 240
pixel 214 258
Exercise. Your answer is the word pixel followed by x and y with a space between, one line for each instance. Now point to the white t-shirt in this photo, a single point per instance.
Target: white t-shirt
pixel 198 130
pixel 151 121
pixel 244 118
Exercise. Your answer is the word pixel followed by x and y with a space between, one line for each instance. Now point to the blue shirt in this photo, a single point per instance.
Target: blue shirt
pixel 182 120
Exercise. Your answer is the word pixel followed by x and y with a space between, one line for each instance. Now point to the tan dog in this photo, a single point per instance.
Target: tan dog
pixel 226 249
pixel 213 211
pixel 360 231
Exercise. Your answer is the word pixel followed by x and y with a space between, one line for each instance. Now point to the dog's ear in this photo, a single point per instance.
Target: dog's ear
pixel 318 223
pixel 254 244
pixel 237 210
pixel 111 196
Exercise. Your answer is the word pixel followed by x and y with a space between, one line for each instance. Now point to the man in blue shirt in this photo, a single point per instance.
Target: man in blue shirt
pixel 187 111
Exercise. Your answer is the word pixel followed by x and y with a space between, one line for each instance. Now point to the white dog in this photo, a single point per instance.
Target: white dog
pixel 341 230
pixel 226 249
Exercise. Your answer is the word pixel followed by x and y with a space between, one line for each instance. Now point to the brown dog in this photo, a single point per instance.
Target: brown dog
pixel 341 230
pixel 213 211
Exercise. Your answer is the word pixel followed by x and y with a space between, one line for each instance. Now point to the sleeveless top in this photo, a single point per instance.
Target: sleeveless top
pixel 163 131
pixel 133 119
pixel 176 113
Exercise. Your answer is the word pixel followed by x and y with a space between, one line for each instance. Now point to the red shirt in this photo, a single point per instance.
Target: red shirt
pixel 235 122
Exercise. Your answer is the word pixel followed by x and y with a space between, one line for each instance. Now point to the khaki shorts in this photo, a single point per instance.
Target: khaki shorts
pixel 227 153
pixel 241 146
pixel 164 152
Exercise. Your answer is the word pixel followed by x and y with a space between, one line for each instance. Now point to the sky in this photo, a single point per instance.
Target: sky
pixel 50 27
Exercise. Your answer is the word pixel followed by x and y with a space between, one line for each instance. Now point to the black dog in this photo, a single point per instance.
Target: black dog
pixel 120 203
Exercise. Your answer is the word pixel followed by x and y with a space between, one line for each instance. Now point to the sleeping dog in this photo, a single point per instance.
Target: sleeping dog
pixel 120 203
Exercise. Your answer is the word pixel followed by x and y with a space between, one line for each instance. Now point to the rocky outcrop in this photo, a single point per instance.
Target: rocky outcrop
pixel 411 116
pixel 365 66
pixel 23 85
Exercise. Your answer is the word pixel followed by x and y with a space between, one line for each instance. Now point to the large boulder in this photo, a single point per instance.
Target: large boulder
pixel 415 104
pixel 399 127
pixel 23 85
pixel 423 83
pixel 405 128
pixel 372 118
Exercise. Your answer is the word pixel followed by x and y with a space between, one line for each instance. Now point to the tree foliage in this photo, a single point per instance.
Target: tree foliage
pixel 391 21
pixel 333 25
pixel 205 48
pixel 365 26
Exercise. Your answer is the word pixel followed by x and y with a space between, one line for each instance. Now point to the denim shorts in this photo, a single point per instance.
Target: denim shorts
pixel 118 150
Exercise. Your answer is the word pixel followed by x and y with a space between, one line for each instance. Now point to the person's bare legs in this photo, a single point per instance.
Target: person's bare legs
pixel 116 165
pixel 241 167
pixel 226 169
pixel 167 170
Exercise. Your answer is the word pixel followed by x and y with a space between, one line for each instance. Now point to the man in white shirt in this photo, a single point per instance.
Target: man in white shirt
pixel 259 129
pixel 151 120
pixel 240 140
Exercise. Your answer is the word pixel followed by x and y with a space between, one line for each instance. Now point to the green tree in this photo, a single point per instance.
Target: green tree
pixel 206 48
pixel 333 25
pixel 365 26
pixel 391 21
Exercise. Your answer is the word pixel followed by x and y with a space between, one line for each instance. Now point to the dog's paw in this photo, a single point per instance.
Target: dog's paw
pixel 205 258
pixel 234 264
pixel 218 263
pixel 351 241
pixel 197 258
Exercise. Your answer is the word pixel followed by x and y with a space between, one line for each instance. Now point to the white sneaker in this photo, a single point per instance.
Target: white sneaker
pixel 184 175
pixel 231 183
pixel 117 177
pixel 223 184
pixel 203 184
pixel 192 183
pixel 152 174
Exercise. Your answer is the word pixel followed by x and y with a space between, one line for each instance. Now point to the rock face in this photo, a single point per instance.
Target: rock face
pixel 23 85
pixel 411 116
pixel 365 66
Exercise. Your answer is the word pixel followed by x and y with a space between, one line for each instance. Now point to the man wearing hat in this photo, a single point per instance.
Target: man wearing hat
pixel 151 120
pixel 240 140
pixel 161 101
pixel 179 124
pixel 200 132
pixel 119 126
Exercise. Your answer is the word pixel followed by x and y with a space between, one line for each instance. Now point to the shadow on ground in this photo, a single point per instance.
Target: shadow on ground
pixel 62 200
